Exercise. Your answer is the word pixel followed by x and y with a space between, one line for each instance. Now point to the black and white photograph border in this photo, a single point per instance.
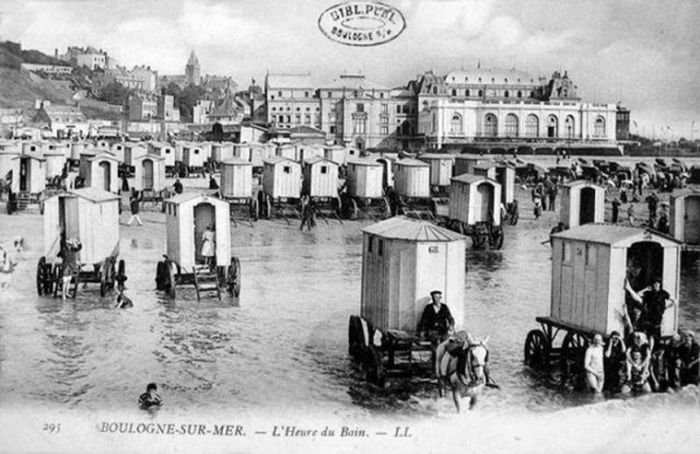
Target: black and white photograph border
pixel 381 226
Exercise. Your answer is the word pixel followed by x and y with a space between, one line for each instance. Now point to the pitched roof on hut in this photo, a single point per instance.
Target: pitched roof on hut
pixel 403 228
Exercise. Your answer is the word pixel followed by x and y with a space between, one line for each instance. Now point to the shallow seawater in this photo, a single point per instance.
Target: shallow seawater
pixel 283 344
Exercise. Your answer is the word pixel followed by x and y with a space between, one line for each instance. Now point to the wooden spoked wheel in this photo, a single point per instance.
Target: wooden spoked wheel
pixel 41 276
pixel 573 350
pixel 537 349
pixel 496 238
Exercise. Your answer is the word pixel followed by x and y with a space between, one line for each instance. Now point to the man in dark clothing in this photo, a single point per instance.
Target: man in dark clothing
pixel 556 229
pixel 134 206
pixel 615 210
pixel 688 360
pixel 177 186
pixel 150 398
pixel 436 321
pixel 652 201
pixel 655 301
pixel 663 226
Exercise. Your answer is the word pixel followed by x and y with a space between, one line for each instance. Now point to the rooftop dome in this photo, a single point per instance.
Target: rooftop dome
pixel 493 76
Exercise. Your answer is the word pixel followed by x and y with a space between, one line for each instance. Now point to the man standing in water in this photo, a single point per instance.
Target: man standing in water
pixel 593 363
pixel 436 321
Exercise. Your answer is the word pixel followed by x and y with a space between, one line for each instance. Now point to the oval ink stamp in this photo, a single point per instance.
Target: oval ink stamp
pixel 369 23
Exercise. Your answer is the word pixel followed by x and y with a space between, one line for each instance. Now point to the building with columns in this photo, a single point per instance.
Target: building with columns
pixel 483 105
pixel 434 111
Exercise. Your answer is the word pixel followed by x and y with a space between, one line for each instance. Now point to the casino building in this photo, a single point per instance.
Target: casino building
pixel 490 105
pixel 477 107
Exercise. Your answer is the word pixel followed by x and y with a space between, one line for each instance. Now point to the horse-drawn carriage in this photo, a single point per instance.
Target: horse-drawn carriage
pixel 590 266
pixel 237 189
pixel 90 216
pixel 474 210
pixel 403 261
pixel 192 220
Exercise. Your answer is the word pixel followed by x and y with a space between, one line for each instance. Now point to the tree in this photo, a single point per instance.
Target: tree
pixel 114 93
pixel 188 99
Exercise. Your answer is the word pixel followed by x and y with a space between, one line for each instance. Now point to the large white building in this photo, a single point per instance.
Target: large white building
pixel 433 111
pixel 508 105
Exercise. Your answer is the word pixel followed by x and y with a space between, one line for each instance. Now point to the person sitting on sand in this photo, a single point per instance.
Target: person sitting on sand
pixel 122 301
pixel 150 398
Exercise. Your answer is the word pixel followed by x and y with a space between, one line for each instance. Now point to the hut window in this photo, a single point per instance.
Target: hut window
pixel 369 244
pixel 32 148
pixel 287 169
pixel 566 253
pixel 380 247
pixel 167 151
pixel 590 256
pixel 196 151
pixel 324 169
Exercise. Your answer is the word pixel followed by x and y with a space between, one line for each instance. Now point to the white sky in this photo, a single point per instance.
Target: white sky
pixel 640 52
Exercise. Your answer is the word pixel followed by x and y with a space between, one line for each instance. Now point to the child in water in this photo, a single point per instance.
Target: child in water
pixel 637 375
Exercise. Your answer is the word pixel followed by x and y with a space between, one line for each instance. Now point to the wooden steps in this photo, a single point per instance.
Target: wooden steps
pixel 206 280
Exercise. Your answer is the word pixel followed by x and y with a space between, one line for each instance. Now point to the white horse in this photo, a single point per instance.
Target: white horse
pixel 463 369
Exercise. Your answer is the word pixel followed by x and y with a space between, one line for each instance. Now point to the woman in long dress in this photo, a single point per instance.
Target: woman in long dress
pixel 208 245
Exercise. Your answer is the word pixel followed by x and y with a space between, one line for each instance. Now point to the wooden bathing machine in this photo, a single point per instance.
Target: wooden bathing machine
pixel 9 166
pixel 32 173
pixel 441 167
pixel 475 199
pixel 684 216
pixel 236 178
pixel 281 178
pixel 412 178
pixel 100 171
pixel 466 164
pixel 164 150
pixel 320 177
pixel 582 202
pixel 88 214
pixel 187 217
pixel 149 173
pixel 503 174
pixel 403 260
pixel 590 264
pixel 364 179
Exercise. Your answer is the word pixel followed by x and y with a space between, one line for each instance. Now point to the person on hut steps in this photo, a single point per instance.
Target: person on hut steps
pixel 437 321
pixel 654 301
pixel 150 398
pixel 593 363
pixel 69 255
pixel 208 245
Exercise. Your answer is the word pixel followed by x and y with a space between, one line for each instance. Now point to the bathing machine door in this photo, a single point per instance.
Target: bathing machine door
pixel 204 215
pixel 691 224
pixel 587 206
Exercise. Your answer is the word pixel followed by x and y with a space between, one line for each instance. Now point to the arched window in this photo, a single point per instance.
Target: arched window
pixel 520 94
pixel 532 126
pixel 570 127
pixel 456 124
pixel 490 125
pixel 552 126
pixel 510 126
pixel 454 92
pixel 435 90
pixel 599 127
pixel 506 94
pixel 466 93
pixel 481 93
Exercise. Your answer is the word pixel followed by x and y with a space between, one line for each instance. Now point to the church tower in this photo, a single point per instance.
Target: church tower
pixel 193 71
